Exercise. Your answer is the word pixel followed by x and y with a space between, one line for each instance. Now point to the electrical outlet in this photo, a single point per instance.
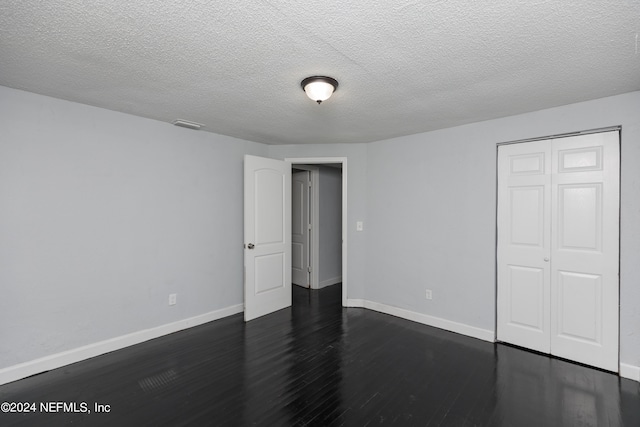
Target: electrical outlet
pixel 359 226
pixel 428 294
pixel 173 298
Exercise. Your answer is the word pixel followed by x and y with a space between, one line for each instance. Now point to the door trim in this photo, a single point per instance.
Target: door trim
pixel 343 162
pixel 563 135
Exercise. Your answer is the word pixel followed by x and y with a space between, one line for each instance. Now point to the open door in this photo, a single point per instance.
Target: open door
pixel 267 236
pixel 301 229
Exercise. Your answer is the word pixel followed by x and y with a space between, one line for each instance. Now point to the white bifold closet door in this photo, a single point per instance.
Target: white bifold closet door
pixel 558 250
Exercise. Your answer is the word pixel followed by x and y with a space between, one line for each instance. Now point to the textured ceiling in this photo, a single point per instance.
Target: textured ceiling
pixel 404 66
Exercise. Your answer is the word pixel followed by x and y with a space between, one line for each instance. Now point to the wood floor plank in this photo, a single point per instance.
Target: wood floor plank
pixel 318 364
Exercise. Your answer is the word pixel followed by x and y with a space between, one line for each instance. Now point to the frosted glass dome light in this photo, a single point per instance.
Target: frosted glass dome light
pixel 319 88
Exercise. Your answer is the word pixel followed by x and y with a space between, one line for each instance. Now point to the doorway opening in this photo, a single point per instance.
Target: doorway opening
pixel 319 212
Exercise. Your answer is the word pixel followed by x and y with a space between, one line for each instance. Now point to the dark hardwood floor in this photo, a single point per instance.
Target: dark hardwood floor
pixel 317 364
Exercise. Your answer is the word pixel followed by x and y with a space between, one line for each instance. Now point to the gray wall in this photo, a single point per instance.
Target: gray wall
pixel 356 172
pixel 330 223
pixel 431 212
pixel 103 216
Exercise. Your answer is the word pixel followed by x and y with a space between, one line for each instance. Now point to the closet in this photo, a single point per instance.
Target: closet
pixel 558 247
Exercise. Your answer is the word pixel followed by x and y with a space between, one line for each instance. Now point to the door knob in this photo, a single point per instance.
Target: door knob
pixel 546 259
pixel 251 246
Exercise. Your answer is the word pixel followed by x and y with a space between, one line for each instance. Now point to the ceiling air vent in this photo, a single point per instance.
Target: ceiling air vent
pixel 187 124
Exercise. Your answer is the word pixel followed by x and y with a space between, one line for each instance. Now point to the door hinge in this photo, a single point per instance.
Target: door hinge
pixel 309 227
pixel 309 269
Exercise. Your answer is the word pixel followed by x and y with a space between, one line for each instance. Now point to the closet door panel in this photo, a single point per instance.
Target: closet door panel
pixel 524 202
pixel 584 249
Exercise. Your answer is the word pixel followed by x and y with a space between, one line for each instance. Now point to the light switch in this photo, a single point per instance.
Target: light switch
pixel 359 226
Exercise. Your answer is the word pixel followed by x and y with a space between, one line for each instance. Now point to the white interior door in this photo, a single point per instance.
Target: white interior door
pixel 558 233
pixel 267 236
pixel 524 200
pixel 584 249
pixel 300 228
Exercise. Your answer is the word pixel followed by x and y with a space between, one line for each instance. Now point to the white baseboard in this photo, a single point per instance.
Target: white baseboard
pixel 23 370
pixel 630 371
pixel 626 370
pixel 425 319
pixel 329 282
pixel 355 303
pixel 54 361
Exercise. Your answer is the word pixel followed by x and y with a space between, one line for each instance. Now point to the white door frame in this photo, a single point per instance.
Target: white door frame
pixel 318 161
pixel 314 213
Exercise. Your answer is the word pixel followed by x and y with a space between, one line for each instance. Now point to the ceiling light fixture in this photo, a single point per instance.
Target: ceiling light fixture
pixel 319 88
